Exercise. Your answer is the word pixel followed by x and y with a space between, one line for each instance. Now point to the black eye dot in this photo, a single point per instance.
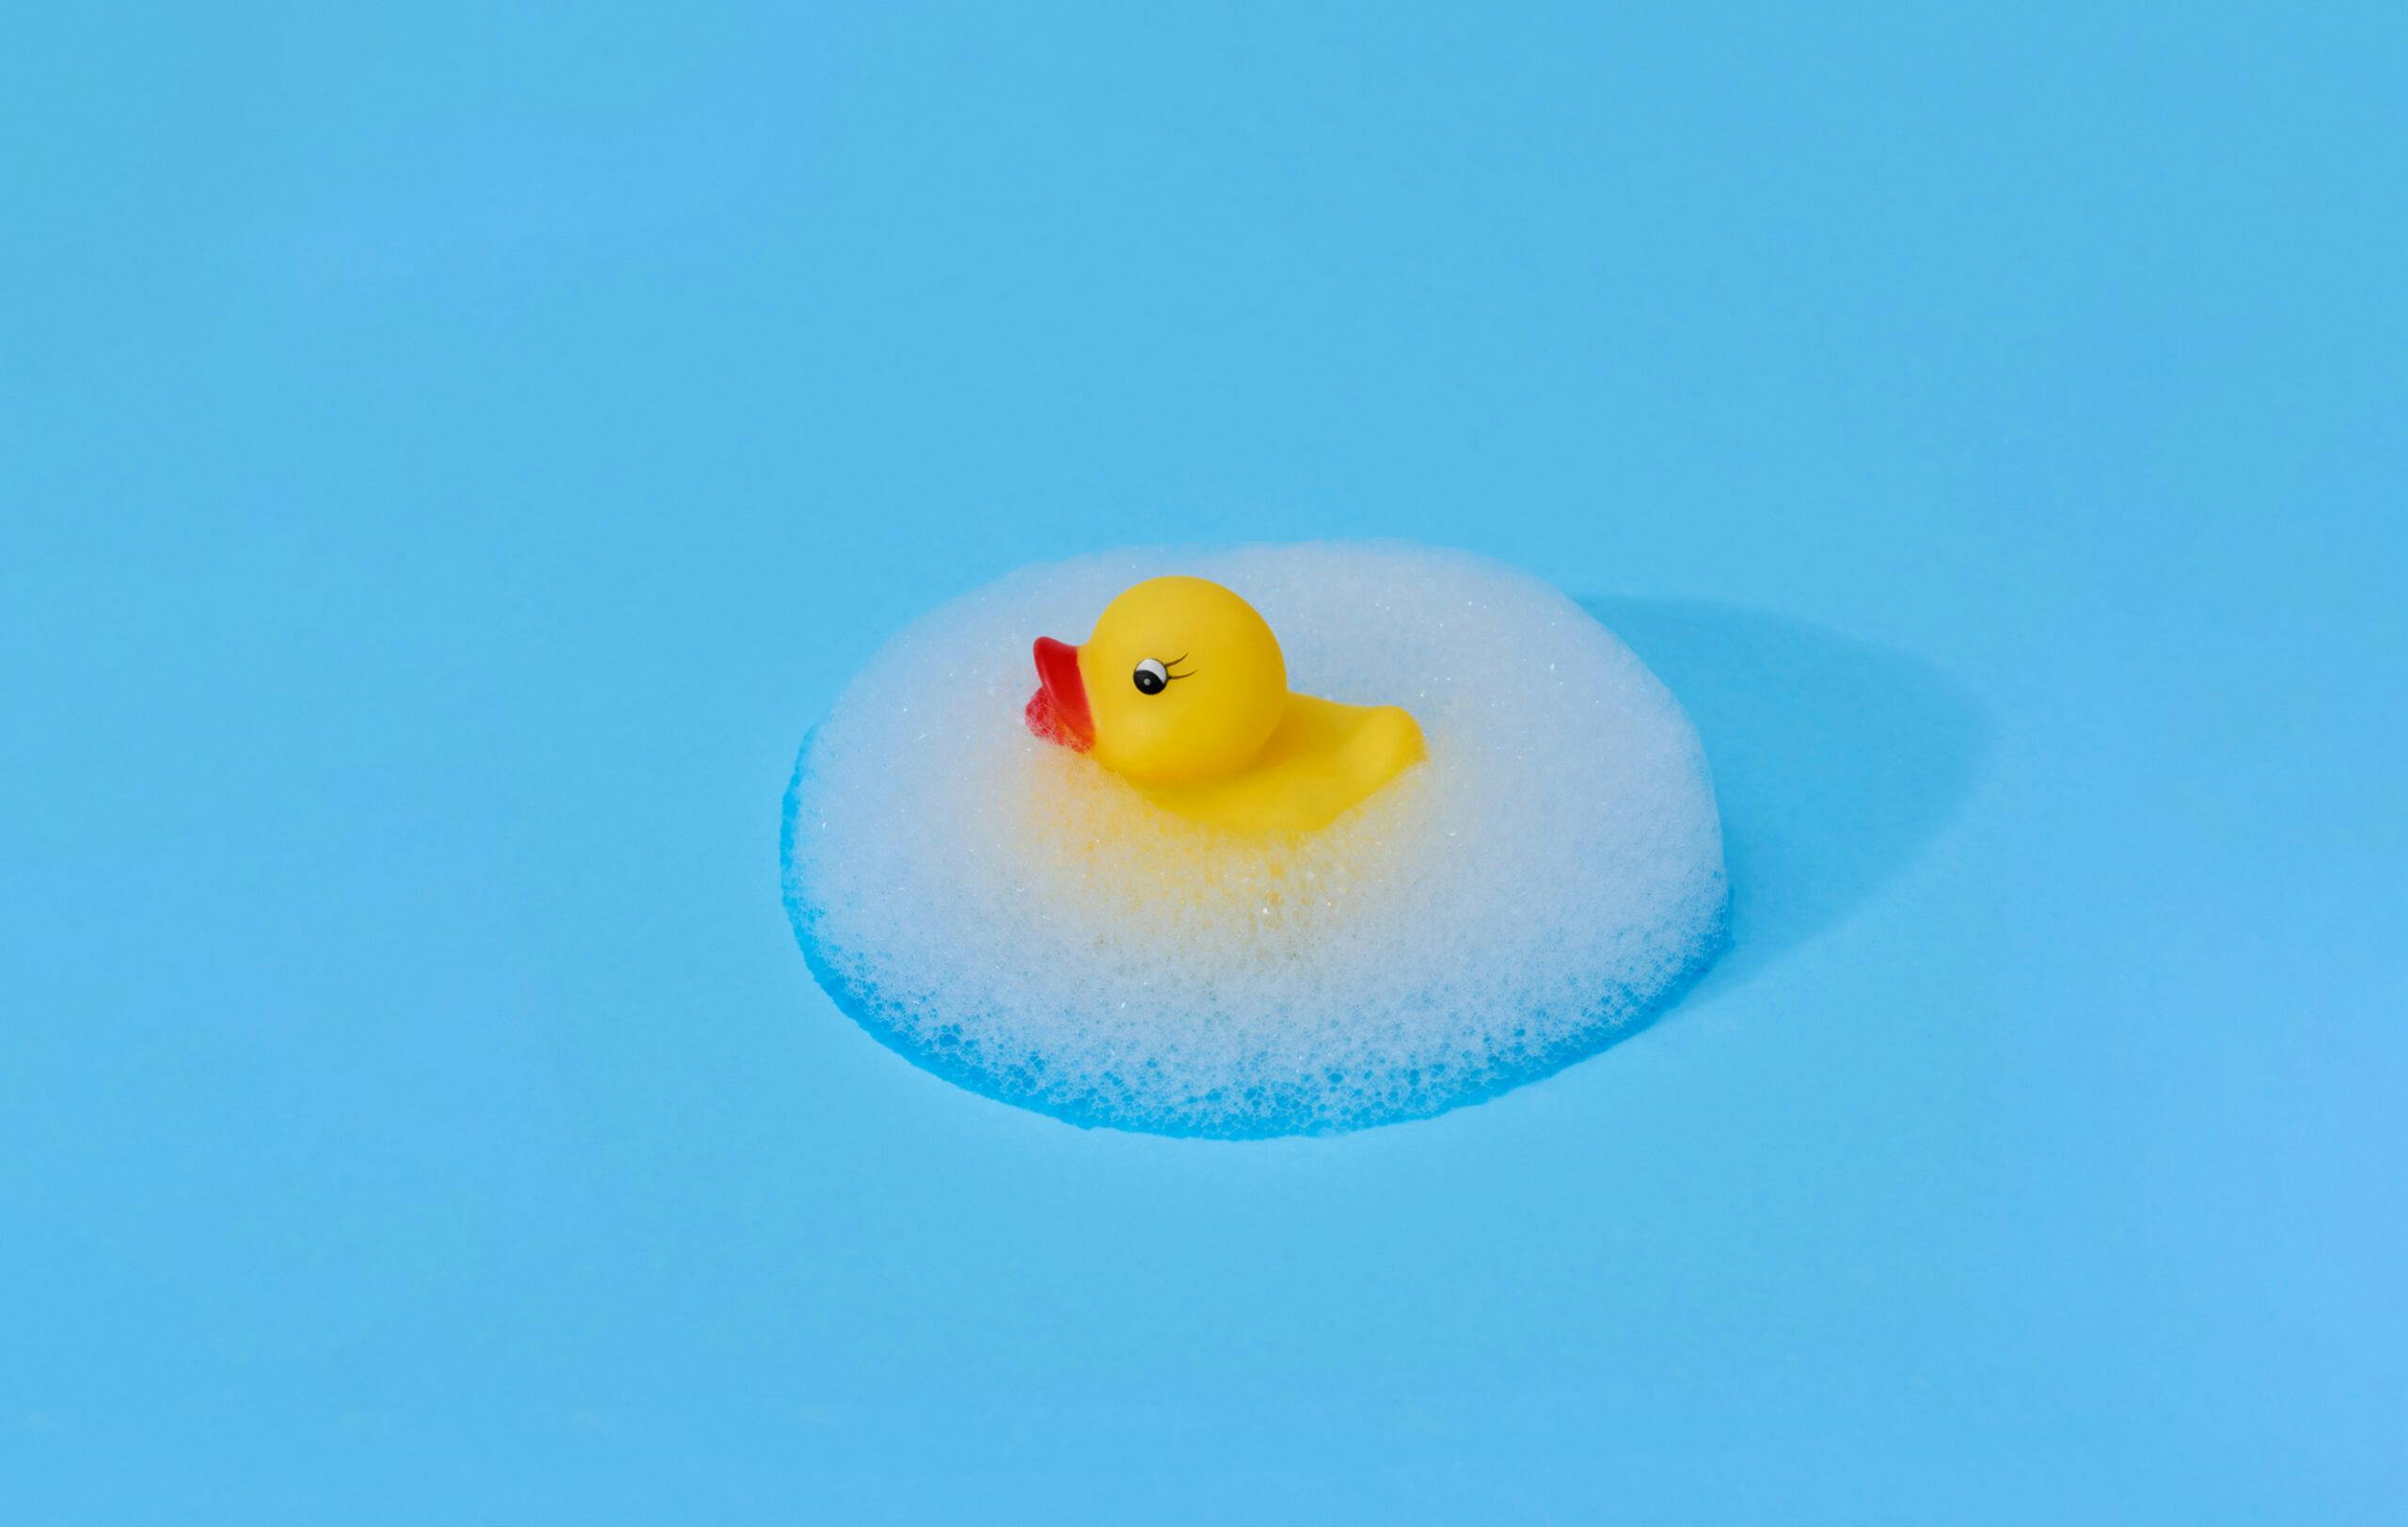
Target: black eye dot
pixel 1150 677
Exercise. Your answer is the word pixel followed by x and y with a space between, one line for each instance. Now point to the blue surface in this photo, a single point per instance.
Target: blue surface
pixel 447 460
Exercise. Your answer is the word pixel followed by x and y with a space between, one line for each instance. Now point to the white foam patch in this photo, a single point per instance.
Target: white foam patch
pixel 1007 914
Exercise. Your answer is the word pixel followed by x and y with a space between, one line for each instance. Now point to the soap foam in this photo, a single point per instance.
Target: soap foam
pixel 1006 913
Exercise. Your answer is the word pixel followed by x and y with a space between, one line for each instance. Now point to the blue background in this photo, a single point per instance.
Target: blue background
pixel 448 459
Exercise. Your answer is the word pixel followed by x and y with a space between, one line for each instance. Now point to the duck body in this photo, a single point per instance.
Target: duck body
pixel 1321 759
pixel 1182 691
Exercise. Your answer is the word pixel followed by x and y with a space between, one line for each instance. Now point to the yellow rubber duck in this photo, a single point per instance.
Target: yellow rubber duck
pixel 1183 692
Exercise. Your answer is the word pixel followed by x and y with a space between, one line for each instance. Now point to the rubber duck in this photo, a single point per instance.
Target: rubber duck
pixel 1183 691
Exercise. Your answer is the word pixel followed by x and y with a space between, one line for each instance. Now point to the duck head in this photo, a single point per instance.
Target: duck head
pixel 1182 683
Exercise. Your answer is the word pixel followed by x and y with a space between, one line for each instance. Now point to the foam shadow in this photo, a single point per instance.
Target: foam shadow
pixel 1835 761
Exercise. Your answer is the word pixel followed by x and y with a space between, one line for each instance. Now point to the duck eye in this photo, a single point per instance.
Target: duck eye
pixel 1150 677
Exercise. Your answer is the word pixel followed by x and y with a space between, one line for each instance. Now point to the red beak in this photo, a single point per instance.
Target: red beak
pixel 1058 710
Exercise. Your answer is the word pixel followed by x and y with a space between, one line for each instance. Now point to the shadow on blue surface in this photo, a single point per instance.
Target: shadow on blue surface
pixel 1834 760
